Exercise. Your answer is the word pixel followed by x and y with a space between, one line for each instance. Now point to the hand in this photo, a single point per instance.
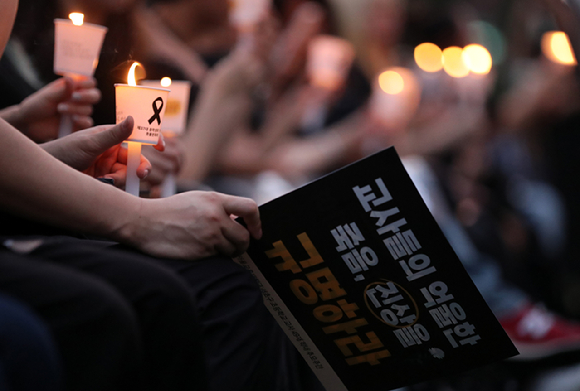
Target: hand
pixel 194 225
pixel 164 162
pixel 238 73
pixel 38 116
pixel 98 152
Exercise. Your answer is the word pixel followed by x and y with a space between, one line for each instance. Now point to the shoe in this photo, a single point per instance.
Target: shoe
pixel 538 334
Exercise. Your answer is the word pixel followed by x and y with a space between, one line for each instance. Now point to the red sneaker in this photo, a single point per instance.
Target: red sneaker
pixel 537 333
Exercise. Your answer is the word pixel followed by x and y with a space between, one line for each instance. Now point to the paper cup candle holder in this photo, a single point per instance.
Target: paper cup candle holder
pixel 147 106
pixel 175 118
pixel 396 96
pixel 77 47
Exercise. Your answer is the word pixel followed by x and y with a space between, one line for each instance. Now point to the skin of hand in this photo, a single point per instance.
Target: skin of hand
pixel 164 162
pixel 97 152
pixel 195 225
pixel 38 116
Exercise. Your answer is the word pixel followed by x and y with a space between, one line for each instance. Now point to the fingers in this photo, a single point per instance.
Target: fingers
pixel 237 239
pixel 160 146
pixel 82 122
pixel 76 99
pixel 248 210
pixel 89 96
pixel 108 136
pixel 144 168
pixel 74 109
pixel 85 83
pixel 118 174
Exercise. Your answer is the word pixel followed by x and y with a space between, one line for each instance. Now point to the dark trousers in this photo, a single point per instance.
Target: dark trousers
pixel 121 321
pixel 244 347
pixel 29 359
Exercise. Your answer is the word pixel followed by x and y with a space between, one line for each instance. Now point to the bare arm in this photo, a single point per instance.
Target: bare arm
pixel 192 225
pixel 37 186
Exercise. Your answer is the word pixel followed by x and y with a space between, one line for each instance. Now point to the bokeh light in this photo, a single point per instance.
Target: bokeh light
pixel 477 59
pixel 490 37
pixel 556 47
pixel 391 82
pixel 429 57
pixel 453 62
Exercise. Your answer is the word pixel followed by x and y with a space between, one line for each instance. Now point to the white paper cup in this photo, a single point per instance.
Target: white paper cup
pixel 177 110
pixel 146 105
pixel 77 48
pixel 329 60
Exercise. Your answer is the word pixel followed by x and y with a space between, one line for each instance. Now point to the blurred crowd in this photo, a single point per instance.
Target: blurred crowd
pixel 480 98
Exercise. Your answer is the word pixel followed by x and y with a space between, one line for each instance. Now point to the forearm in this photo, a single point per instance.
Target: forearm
pixel 35 185
pixel 12 115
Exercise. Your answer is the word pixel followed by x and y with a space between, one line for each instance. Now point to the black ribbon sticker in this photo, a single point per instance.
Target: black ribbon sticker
pixel 157 111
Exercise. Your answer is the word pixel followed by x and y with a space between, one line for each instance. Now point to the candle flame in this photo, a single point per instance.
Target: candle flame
pixel 477 58
pixel 556 46
pixel 131 79
pixel 77 18
pixel 166 82
pixel 453 62
pixel 391 82
pixel 429 57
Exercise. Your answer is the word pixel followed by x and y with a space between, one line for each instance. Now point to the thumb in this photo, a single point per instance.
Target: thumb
pixel 112 135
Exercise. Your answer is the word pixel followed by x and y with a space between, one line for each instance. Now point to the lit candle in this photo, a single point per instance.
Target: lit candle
pixel 147 106
pixel 475 87
pixel 175 118
pixel 77 46
pixel 556 47
pixel 395 99
pixel 454 63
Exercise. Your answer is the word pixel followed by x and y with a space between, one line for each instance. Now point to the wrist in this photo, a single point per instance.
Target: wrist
pixel 126 226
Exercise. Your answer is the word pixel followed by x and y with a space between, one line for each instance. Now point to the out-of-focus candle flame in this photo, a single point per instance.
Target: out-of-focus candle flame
pixel 477 58
pixel 453 62
pixel 556 47
pixel 391 82
pixel 429 57
pixel 166 82
pixel 77 18
pixel 131 79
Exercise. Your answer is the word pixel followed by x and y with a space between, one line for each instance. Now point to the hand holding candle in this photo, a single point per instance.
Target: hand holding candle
pixel 147 106
pixel 76 53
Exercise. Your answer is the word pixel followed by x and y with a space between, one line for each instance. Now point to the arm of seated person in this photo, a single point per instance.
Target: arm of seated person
pixel 35 185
